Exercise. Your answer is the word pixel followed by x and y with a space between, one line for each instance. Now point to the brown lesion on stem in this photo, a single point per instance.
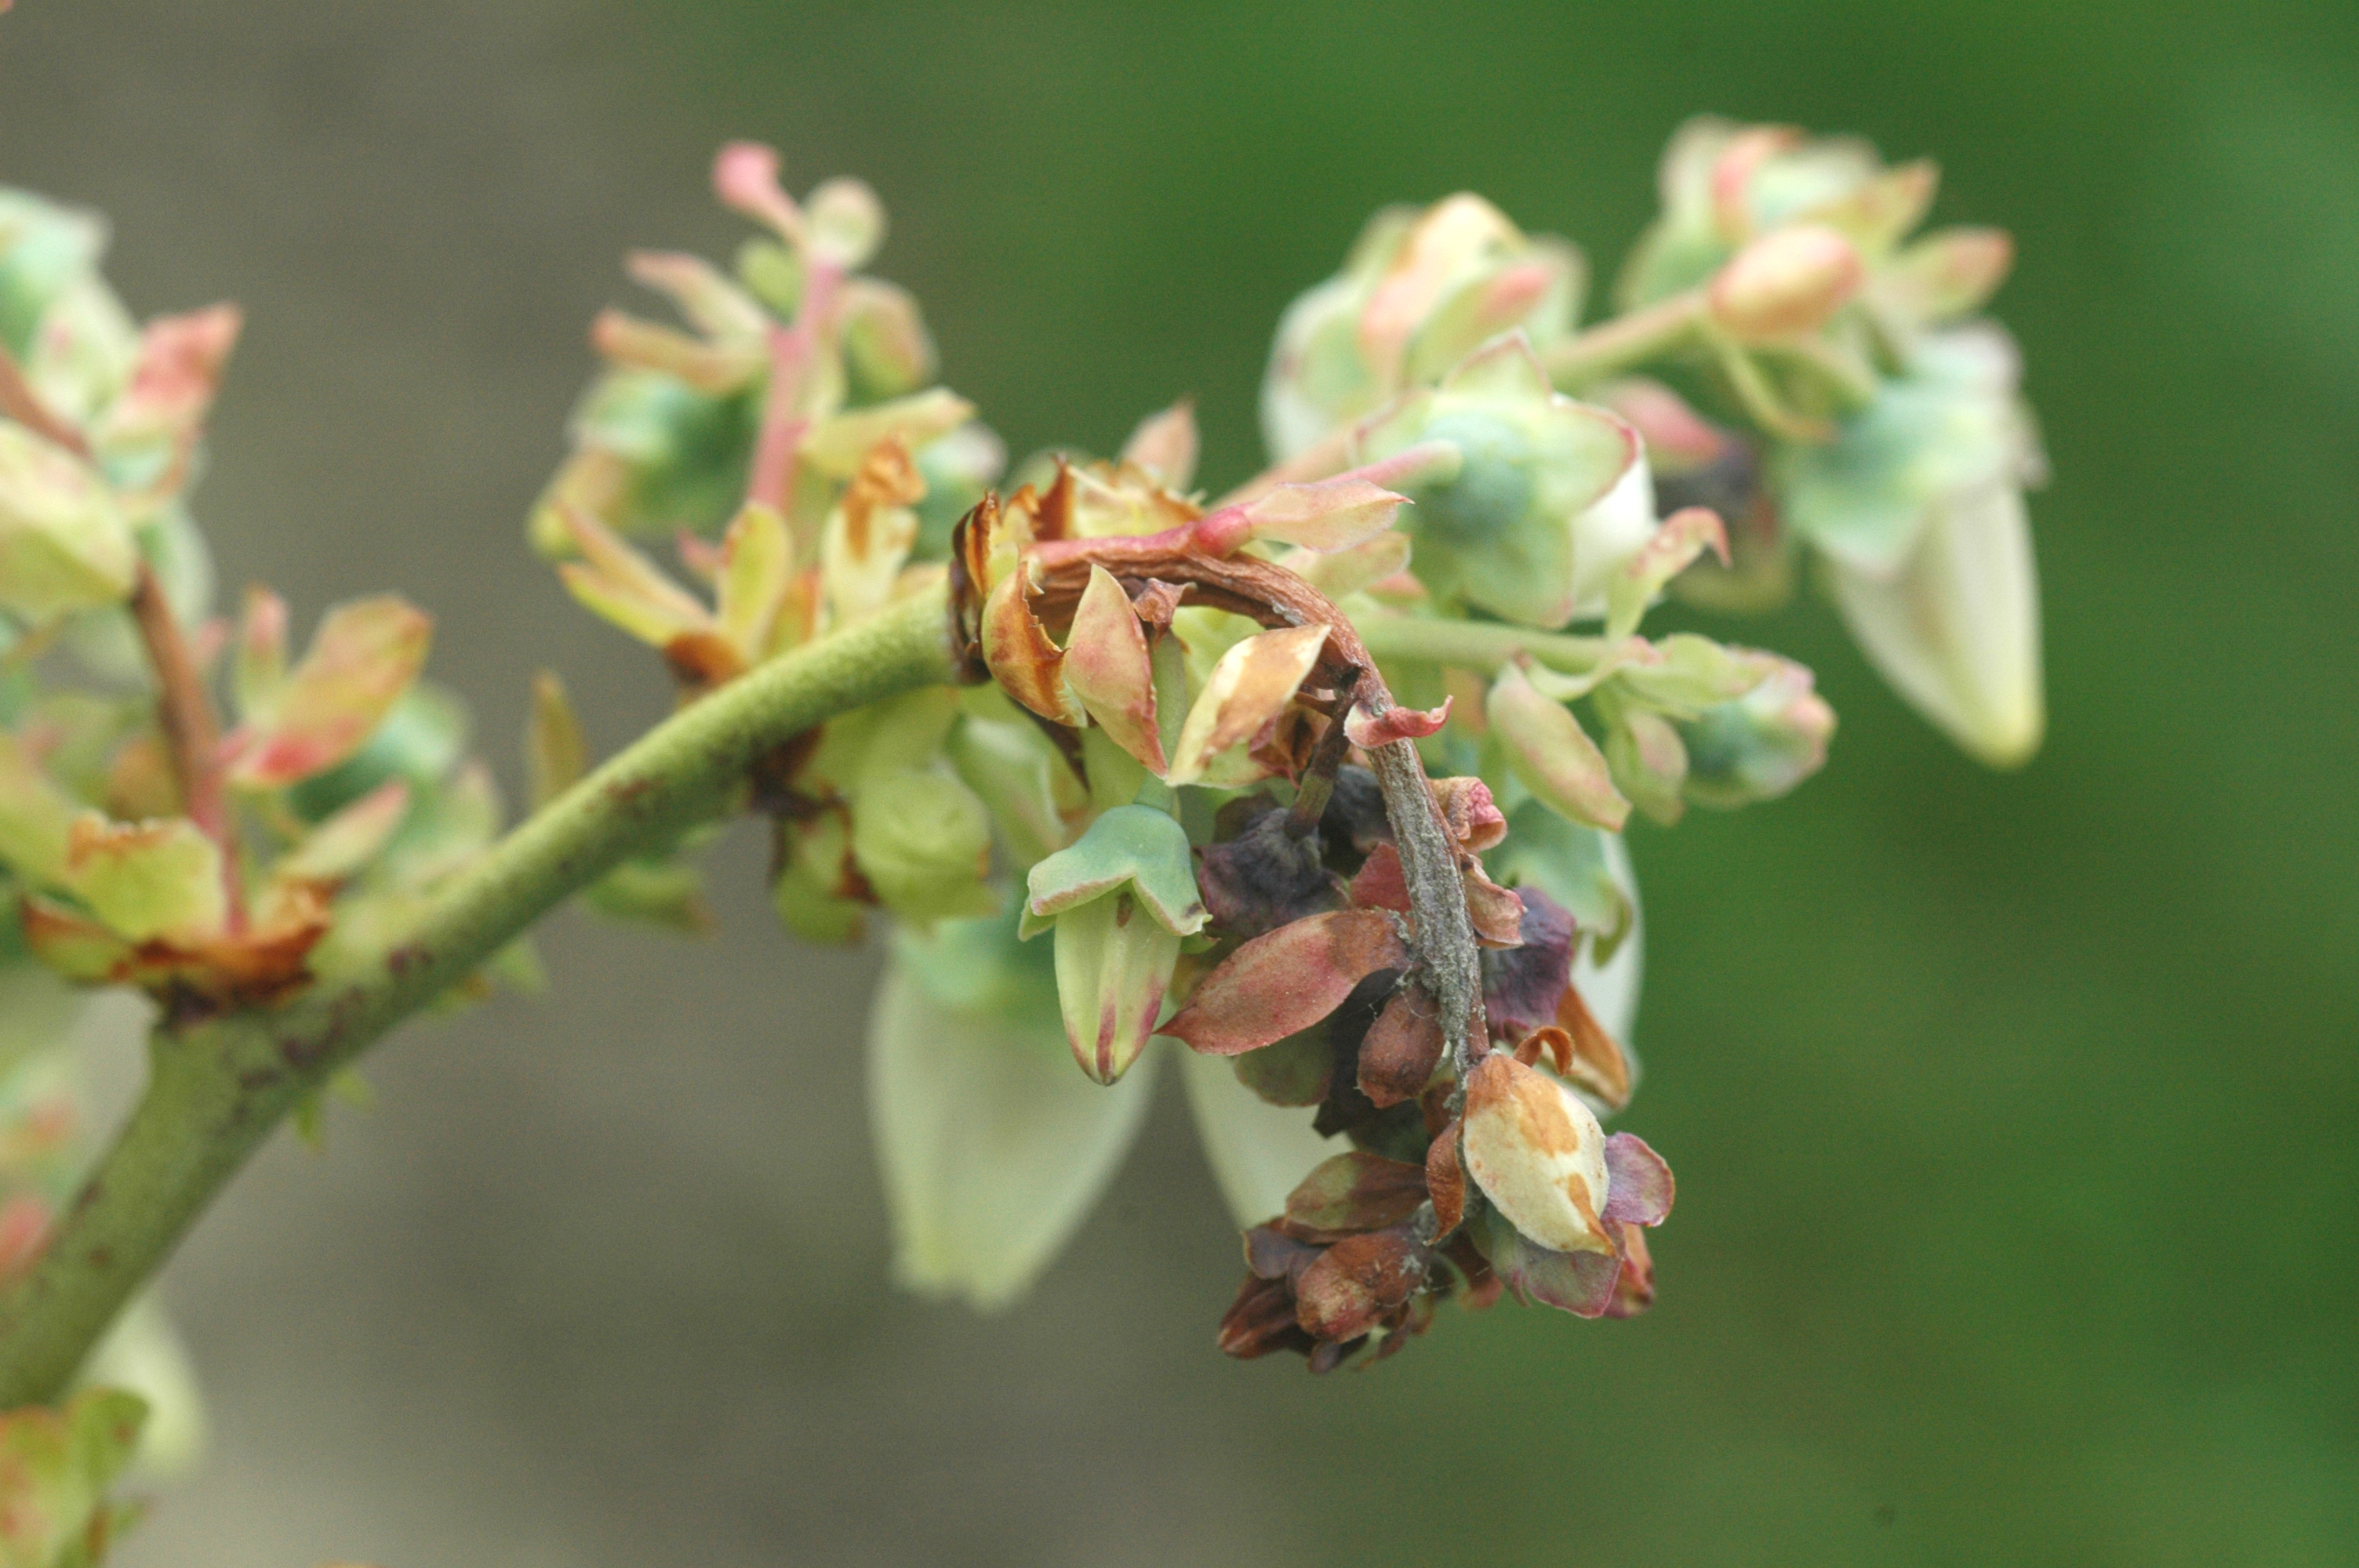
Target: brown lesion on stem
pixel 1447 957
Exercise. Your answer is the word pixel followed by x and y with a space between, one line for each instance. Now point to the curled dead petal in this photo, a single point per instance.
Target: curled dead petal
pixel 1552 756
pixel 1497 913
pixel 1786 285
pixel 1355 1283
pixel 1259 1152
pixel 1248 689
pixel 1593 1059
pixel 1027 666
pixel 1673 547
pixel 1369 731
pixel 1445 1178
pixel 746 178
pixel 1473 818
pixel 1356 1190
pixel 1638 1183
pixel 1401 1049
pixel 1110 671
pixel 992 1147
pixel 1164 446
pixel 365 654
pixel 1329 514
pixel 1284 981
pixel 1538 1154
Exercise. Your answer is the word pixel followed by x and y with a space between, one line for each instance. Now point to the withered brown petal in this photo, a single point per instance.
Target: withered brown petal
pixel 1356 1283
pixel 1497 912
pixel 1598 1063
pixel 1634 1288
pixel 1522 985
pixel 1261 1320
pixel 1402 1048
pixel 1381 884
pixel 1286 981
pixel 1015 646
pixel 1369 731
pixel 1445 1182
pixel 1639 1185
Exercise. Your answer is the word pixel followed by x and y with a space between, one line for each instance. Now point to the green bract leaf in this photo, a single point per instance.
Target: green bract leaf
pixel 1135 847
pixel 63 543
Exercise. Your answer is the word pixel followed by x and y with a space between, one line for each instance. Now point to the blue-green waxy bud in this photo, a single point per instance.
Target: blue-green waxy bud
pixel 1120 900
pixel 1550 498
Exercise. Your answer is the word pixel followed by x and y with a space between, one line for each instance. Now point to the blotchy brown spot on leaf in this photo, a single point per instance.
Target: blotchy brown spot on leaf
pixel 1286 981
pixel 1351 1192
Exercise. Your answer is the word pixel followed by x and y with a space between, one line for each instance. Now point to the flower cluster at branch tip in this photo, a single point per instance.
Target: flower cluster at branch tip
pixel 1315 788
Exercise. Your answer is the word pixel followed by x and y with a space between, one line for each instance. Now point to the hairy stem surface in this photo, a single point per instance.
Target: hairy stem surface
pixel 216 1089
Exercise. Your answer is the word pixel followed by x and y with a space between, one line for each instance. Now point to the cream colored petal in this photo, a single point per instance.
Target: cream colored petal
pixel 1258 1152
pixel 993 1147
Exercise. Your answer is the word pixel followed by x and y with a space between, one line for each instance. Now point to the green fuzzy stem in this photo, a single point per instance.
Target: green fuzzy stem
pixel 1476 644
pixel 218 1089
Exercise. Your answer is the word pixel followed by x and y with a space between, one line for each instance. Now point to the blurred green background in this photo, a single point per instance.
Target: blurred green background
pixel 2013 1115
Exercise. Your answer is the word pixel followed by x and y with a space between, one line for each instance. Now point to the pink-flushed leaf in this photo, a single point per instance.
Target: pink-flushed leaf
pixel 1025 663
pixel 1579 1282
pixel 364 656
pixel 1552 756
pixel 746 177
pixel 1109 668
pixel 750 580
pixel 622 584
pixel 261 662
pixel 1538 1154
pixel 1369 731
pixel 148 880
pixel 714 369
pixel 1948 273
pixel 1402 1048
pixel 349 839
pixel 1356 1190
pixel 1164 446
pixel 172 386
pixel 1445 1178
pixel 711 302
pixel 1739 158
pixel 1671 428
pixel 1638 1183
pixel 1356 1283
pixel 1685 534
pixel 1331 514
pixel 1247 690
pixel 1284 981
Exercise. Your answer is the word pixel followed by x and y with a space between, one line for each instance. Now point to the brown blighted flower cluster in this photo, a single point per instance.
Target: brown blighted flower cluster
pixel 1479 1177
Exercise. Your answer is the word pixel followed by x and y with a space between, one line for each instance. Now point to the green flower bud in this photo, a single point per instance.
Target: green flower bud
pixel 1119 900
pixel 1420 291
pixel 1761 745
pixel 923 840
pixel 1551 496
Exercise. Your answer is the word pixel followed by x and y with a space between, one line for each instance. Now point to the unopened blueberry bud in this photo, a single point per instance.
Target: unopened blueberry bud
pixel 1119 900
pixel 1785 285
